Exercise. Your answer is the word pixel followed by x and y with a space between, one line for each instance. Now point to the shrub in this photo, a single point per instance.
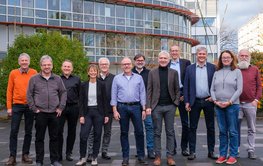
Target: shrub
pixel 52 44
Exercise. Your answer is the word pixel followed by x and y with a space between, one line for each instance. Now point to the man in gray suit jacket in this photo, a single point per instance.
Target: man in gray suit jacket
pixel 163 94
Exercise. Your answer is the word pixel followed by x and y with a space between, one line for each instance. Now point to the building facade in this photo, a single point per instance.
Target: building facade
pixel 111 28
pixel 206 30
pixel 250 35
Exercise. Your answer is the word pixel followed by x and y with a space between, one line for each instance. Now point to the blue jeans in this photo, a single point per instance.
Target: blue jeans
pixel 134 113
pixel 148 124
pixel 227 119
pixel 17 112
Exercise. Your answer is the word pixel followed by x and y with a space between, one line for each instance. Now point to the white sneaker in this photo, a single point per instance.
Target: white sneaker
pixel 81 162
pixel 94 161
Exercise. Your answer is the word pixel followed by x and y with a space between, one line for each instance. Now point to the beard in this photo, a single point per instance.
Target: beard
pixel 243 64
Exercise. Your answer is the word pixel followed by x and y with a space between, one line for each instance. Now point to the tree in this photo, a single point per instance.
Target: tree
pixel 228 39
pixel 52 44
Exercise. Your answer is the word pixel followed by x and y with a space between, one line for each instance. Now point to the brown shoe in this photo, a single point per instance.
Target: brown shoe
pixel 170 161
pixel 11 161
pixel 157 161
pixel 26 159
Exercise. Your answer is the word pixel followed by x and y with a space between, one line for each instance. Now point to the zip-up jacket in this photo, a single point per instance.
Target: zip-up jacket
pixel 46 95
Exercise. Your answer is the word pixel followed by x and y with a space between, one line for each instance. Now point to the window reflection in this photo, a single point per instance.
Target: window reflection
pixel 41 4
pixel 53 4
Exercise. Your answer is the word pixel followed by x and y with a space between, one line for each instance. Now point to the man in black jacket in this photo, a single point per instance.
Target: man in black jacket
pixel 139 68
pixel 180 65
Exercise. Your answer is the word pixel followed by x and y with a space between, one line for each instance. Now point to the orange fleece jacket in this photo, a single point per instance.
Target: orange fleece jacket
pixel 17 87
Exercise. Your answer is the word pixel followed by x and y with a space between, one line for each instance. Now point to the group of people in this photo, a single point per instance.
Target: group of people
pixel 138 95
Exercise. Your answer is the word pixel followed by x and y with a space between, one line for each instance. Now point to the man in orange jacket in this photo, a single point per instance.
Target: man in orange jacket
pixel 17 107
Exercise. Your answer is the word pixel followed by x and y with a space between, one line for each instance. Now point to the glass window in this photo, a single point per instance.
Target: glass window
pixel 14 11
pixel 156 15
pixel 171 18
pixel 28 3
pixel 53 15
pixel 2 9
pixel 77 17
pixel 14 2
pixel 139 42
pixel 164 44
pixel 65 16
pixel 130 12
pixel 41 14
pixel 157 43
pixel 100 40
pixel 89 39
pixel 65 5
pixel 120 40
pixel 41 4
pixel 41 21
pixel 78 36
pixel 164 17
pixel 88 7
pixel 28 20
pixel 28 12
pixel 99 9
pixel 110 40
pixel 138 13
pixel 148 42
pixel 130 42
pixel 3 2
pixel 148 14
pixel 53 4
pixel 77 6
pixel 2 18
pixel 120 10
pixel 89 18
pixel 109 10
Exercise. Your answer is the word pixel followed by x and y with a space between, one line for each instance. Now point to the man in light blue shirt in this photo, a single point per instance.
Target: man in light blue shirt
pixel 128 99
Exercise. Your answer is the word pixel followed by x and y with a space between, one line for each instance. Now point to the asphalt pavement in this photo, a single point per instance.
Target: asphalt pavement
pixel 115 148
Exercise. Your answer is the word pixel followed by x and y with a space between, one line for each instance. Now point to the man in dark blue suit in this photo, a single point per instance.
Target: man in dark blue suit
pixel 180 65
pixel 197 98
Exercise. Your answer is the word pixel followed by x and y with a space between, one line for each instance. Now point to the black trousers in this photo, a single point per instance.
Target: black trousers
pixel 44 121
pixel 92 119
pixel 70 114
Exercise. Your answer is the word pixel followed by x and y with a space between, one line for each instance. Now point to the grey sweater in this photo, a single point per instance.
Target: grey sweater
pixel 227 85
pixel 46 95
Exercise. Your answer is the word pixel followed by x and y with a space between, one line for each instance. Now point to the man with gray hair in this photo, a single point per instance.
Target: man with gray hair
pixel 46 96
pixel 17 107
pixel 163 93
pixel 249 98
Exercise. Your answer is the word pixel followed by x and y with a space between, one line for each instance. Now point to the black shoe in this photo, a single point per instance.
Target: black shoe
pixel 125 162
pixel 212 155
pixel 185 152
pixel 251 155
pixel 105 156
pixel 151 155
pixel 142 161
pixel 89 158
pixel 69 157
pixel 191 156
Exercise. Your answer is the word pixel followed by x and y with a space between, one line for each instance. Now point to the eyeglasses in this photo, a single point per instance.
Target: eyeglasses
pixel 226 58
pixel 126 64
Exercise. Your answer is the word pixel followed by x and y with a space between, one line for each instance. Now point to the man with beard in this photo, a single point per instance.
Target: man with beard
pixel 139 68
pixel 249 98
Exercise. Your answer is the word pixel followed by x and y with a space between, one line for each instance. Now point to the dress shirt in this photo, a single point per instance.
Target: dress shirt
pixel 202 89
pixel 128 90
pixel 72 84
pixel 175 64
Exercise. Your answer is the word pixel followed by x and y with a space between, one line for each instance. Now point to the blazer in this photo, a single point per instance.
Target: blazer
pixel 101 99
pixel 190 81
pixel 153 87
pixel 184 63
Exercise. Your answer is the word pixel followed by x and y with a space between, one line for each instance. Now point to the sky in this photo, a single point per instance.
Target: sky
pixel 238 12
